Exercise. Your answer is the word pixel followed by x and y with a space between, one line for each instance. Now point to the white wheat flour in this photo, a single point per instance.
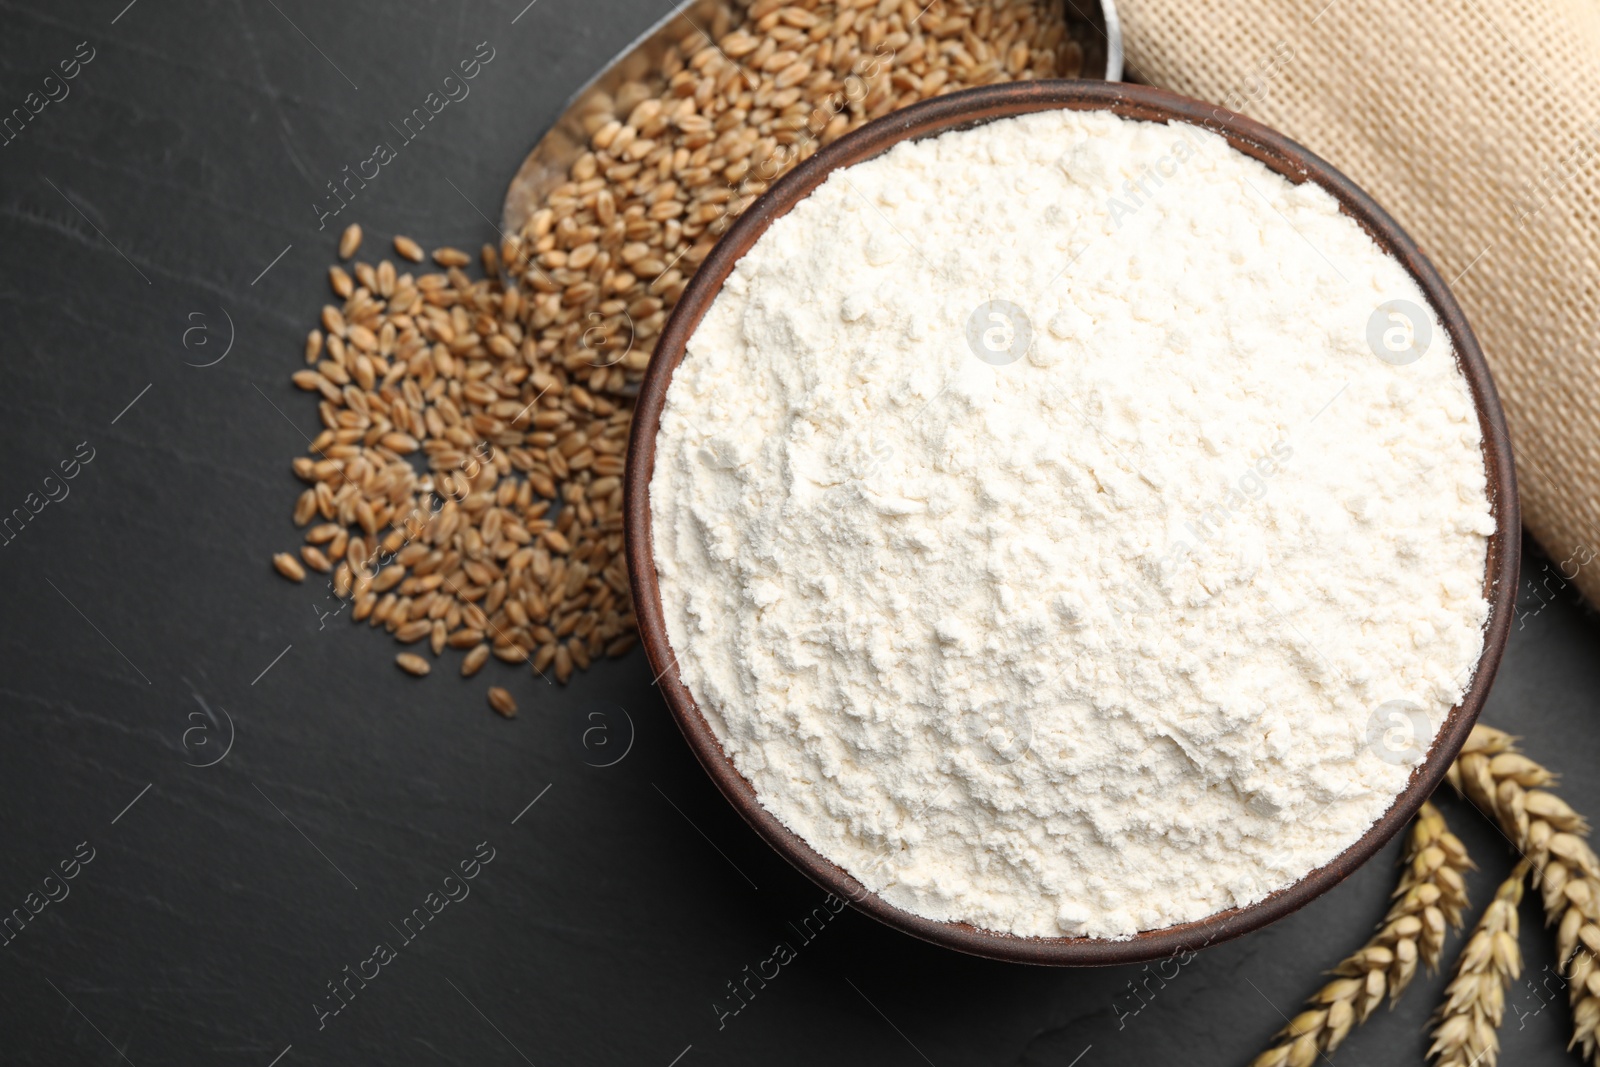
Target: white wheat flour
pixel 1092 641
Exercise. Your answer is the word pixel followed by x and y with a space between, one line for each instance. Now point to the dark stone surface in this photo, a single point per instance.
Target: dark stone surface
pixel 219 904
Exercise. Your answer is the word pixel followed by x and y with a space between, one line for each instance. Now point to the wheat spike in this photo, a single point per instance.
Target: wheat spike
pixel 1553 839
pixel 1466 1024
pixel 1429 898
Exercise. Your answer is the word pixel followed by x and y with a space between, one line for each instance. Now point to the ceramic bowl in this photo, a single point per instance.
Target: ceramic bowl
pixel 970 108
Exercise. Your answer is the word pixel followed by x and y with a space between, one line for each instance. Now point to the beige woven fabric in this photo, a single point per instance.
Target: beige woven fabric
pixel 1477 126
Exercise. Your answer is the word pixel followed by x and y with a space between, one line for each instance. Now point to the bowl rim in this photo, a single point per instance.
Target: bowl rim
pixel 961 110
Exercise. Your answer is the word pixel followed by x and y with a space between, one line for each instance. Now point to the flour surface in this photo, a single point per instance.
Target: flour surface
pixel 1097 611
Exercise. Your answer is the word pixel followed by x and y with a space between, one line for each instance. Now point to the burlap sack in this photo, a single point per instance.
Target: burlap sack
pixel 1477 126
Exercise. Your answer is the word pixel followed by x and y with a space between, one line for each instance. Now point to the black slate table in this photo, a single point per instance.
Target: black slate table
pixel 251 798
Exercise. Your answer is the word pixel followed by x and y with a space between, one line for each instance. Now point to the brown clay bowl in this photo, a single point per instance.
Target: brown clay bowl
pixel 970 108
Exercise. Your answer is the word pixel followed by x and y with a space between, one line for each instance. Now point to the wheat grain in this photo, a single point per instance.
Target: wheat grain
pixel 474 660
pixel 412 664
pixel 349 241
pixel 412 632
pixel 289 567
pixel 501 701
pixel 406 248
pixel 305 507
